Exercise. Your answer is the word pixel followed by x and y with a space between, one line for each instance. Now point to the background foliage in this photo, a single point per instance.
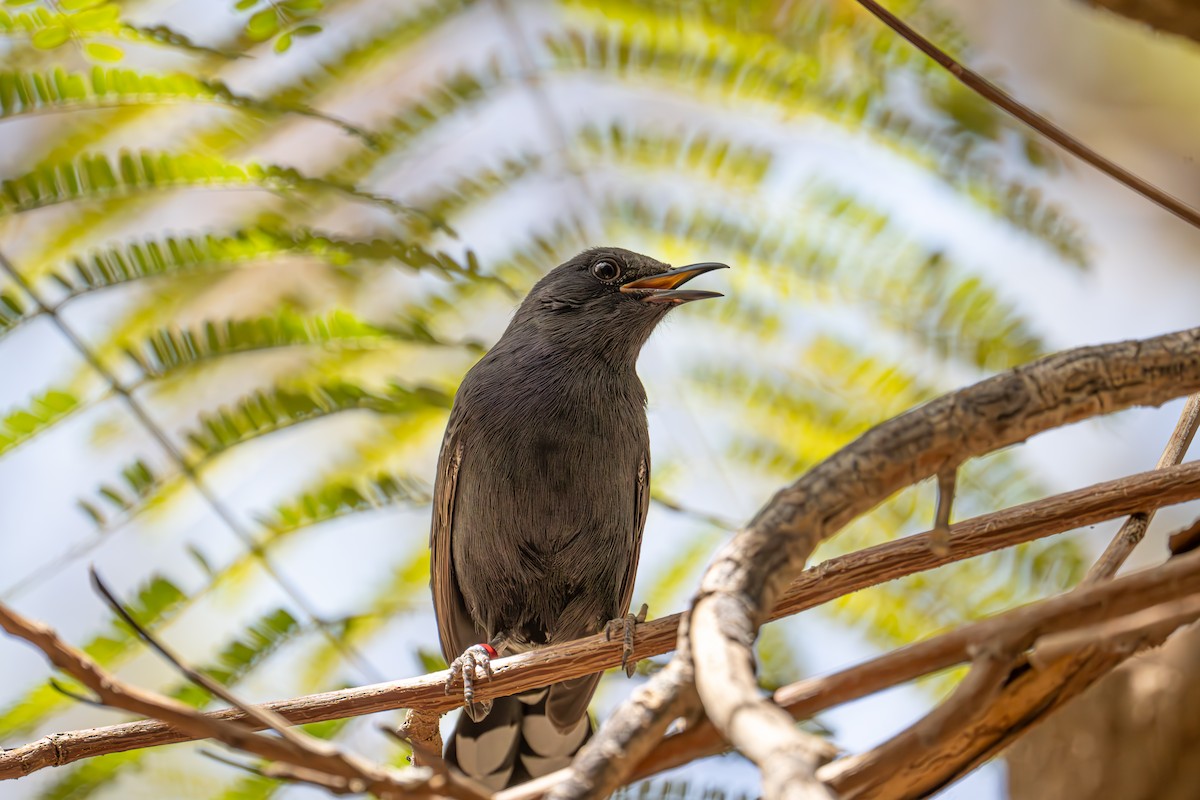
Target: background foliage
pixel 250 251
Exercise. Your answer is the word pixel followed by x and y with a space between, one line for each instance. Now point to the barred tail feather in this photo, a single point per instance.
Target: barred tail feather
pixel 516 742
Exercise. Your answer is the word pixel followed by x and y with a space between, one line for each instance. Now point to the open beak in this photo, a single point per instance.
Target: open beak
pixel 662 288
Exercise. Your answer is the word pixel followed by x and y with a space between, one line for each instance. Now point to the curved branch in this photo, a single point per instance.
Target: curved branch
pixel 748 574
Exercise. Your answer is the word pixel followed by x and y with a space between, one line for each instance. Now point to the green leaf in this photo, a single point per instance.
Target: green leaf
pixel 22 424
pixel 339 497
pixel 263 25
pixel 170 349
pixel 103 52
pixel 283 43
pixel 172 255
pixel 243 5
pixel 78 5
pixel 50 38
pixel 13 310
pixel 265 411
pixel 97 176
pixel 97 20
pixel 136 484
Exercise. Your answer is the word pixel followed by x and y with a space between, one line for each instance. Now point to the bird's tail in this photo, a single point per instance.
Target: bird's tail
pixel 524 736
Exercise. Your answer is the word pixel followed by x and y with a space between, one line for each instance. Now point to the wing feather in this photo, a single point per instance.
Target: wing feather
pixel 455 628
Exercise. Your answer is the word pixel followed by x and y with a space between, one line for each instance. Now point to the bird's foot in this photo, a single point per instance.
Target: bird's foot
pixel 626 624
pixel 474 664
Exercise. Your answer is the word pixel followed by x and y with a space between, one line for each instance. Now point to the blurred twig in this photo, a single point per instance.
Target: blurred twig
pixel 1001 99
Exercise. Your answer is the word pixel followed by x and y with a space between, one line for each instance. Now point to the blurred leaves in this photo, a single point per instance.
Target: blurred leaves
pixel 674 128
pixel 21 424
pixel 156 600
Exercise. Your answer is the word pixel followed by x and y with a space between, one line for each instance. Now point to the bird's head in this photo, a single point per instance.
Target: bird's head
pixel 608 298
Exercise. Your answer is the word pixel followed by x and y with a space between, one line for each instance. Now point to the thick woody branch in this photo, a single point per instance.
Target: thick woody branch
pixel 1130 613
pixel 748 574
pixel 1145 606
pixel 939 760
pixel 824 582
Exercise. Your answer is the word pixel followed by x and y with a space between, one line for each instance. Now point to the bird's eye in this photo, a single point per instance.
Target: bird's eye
pixel 606 270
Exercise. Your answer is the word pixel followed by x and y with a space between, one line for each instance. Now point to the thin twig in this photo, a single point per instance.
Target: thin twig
pixel 1134 529
pixel 1001 99
pixel 293 753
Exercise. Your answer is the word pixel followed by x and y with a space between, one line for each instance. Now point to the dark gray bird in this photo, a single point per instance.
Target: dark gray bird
pixel 541 496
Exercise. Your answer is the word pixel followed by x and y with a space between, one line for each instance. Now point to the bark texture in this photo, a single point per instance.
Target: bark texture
pixel 1134 735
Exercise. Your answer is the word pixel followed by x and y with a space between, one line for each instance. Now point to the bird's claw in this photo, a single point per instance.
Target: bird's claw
pixel 474 664
pixel 626 624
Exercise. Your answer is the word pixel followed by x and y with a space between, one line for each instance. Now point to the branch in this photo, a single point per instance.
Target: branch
pixel 1132 610
pixel 947 759
pixel 301 756
pixel 1135 604
pixel 1001 99
pixel 824 582
pixel 747 575
pixel 1134 529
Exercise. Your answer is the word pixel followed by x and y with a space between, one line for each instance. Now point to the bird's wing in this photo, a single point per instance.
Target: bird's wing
pixel 641 506
pixel 455 628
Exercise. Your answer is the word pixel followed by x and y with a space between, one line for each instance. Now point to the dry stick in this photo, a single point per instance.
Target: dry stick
pixel 1134 529
pixel 867 770
pixel 981 684
pixel 1125 601
pixel 1066 667
pixel 998 97
pixel 747 574
pixel 353 775
pixel 824 582
pixel 1141 611
pixel 1123 636
pixel 316 754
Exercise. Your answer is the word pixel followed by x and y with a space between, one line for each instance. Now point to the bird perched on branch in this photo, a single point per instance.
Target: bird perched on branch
pixel 540 500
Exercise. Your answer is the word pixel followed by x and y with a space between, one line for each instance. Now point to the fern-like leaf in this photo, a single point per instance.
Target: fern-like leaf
pixel 214 252
pixel 269 410
pixel 26 93
pixel 716 158
pixel 21 425
pixel 339 497
pixel 97 177
pixel 151 605
pixel 169 350
pixel 14 309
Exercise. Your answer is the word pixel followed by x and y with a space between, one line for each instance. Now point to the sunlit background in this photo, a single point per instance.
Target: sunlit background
pixel 277 234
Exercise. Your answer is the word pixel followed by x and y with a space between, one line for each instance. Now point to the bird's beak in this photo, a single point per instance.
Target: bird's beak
pixel 662 288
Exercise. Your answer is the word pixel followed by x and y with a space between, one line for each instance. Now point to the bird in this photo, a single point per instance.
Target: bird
pixel 540 499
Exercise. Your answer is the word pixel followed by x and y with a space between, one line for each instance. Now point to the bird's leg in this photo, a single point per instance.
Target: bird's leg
pixel 626 624
pixel 474 664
